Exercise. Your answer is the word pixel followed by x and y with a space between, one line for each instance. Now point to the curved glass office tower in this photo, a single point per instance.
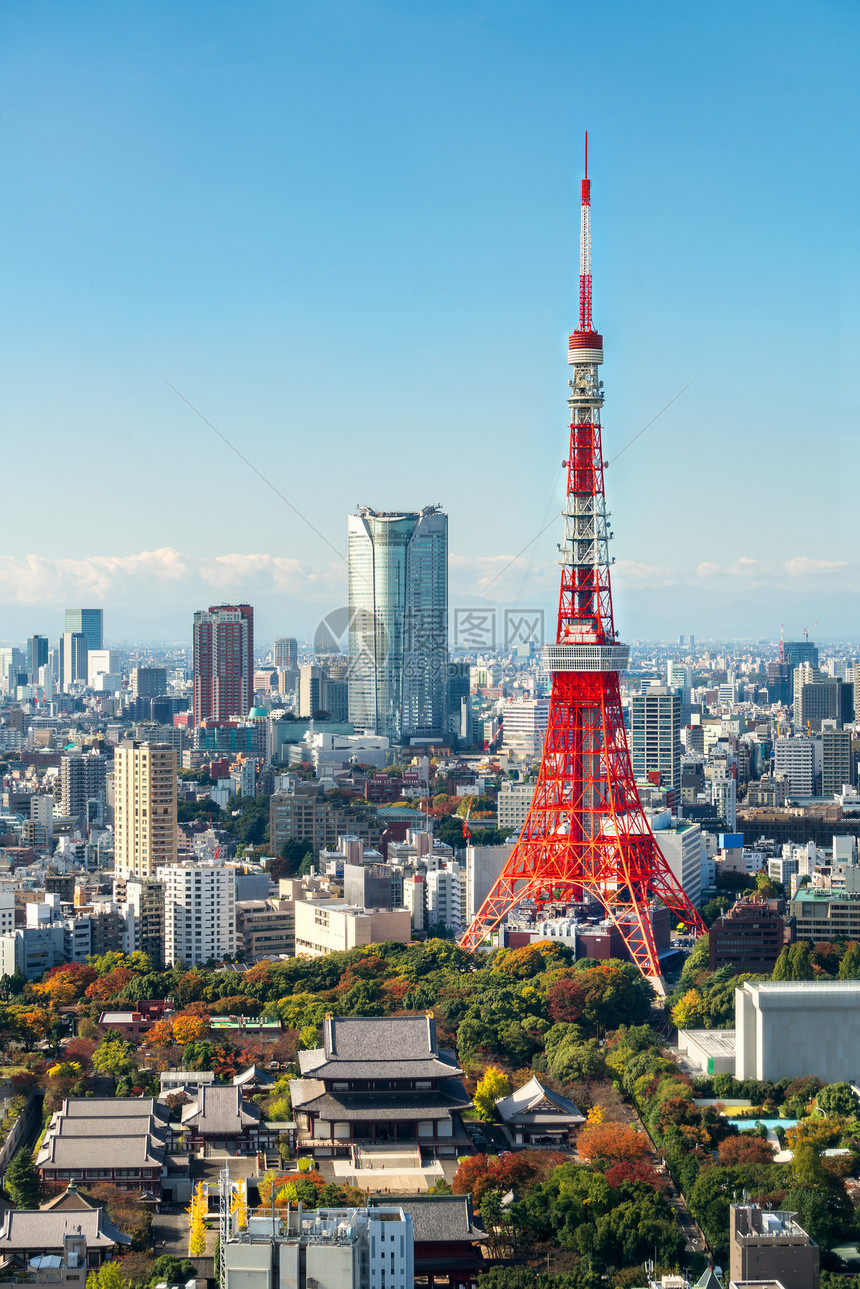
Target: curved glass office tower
pixel 398 631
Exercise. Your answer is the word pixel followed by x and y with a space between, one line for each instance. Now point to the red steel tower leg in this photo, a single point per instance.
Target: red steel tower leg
pixel 586 834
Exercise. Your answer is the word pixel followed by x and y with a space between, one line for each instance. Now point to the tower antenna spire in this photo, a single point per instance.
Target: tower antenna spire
pixel 585 323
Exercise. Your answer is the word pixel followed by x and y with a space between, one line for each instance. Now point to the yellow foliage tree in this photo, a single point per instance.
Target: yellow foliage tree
pixel 491 1088
pixel 688 1011
pixel 197 1210
pixel 189 1029
pixel 596 1114
pixel 239 1209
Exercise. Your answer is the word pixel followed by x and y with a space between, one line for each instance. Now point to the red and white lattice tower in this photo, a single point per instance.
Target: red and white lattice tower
pixel 586 835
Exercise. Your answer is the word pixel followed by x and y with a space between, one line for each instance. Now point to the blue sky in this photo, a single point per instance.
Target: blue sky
pixel 347 232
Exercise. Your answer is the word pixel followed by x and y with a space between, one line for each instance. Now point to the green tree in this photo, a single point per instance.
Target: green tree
pixel 491 1088
pixel 198 1055
pixel 172 1270
pixel 823 1214
pixel 800 960
pixel 115 1057
pixel 782 966
pixel 765 886
pixel 574 1062
pixel 108 1276
pixel 22 1181
pixel 849 967
pixel 838 1099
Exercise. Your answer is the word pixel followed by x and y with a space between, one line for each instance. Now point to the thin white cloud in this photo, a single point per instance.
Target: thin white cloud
pixel 164 573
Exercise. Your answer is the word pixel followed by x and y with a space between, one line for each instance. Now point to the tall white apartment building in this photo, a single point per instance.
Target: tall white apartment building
pixel 525 725
pixel 655 735
pixel 145 826
pixel 445 897
pixel 724 795
pixel 794 759
pixel 199 912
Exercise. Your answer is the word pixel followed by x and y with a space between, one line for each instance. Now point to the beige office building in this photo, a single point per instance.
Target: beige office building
pixel 145 829
pixel 330 926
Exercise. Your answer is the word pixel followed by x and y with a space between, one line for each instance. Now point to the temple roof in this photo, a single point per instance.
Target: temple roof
pixel 310 1095
pixel 45 1229
pixel 535 1104
pixel 368 1047
pixel 220 1112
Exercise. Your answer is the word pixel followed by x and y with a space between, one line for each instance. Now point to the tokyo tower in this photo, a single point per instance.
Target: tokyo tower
pixel 586 835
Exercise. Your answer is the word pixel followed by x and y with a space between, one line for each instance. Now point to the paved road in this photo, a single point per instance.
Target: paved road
pixel 170 1233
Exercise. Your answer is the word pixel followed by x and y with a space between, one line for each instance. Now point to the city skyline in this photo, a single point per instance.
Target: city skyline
pixel 462 263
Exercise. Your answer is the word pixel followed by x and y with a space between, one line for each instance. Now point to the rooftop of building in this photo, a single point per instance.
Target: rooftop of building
pixel 809 894
pixel 440 1219
pixel 802 988
pixel 48 1228
pixel 712 1042
pixel 538 1104
pixel 754 1222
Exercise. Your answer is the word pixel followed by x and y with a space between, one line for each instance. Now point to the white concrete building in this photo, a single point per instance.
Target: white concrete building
pixel 445 897
pixel 787 1029
pixel 103 662
pixel 199 912
pixel 330 926
pixel 370 1248
pixel 682 845
pixel 512 805
pixel 483 866
pixel 794 759
pixel 525 725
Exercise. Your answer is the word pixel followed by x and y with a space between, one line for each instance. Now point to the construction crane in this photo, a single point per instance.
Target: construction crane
pixel 467 836
pixel 806 631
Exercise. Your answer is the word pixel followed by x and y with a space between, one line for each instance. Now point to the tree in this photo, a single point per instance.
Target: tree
pixel 491 1088
pixel 32 1025
pixel 575 1062
pixel 197 1211
pixel 22 1181
pixel 189 1029
pixel 745 1148
pixel 198 1056
pixel 800 960
pixel 688 1012
pixel 108 1276
pixel 849 967
pixel 782 967
pixel 838 1099
pixel 607 1143
pixel 160 1034
pixel 115 1057
pixel 172 1270
pixel 765 886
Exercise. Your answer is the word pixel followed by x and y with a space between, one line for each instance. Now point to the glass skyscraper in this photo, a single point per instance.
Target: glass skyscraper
pixel 86 623
pixel 398 623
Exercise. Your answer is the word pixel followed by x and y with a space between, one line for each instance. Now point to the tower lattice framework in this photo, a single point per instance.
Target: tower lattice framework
pixel 586 835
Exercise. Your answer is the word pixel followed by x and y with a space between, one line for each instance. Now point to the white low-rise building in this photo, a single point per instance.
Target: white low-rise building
pixel 331 926
pixel 786 1029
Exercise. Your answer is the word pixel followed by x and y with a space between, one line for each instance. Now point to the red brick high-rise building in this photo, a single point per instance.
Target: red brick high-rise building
pixel 223 662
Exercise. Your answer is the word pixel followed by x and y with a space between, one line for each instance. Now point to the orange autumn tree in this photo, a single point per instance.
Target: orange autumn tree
pixel 189 1029
pixel 161 1034
pixel 611 1143
pixel 109 985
